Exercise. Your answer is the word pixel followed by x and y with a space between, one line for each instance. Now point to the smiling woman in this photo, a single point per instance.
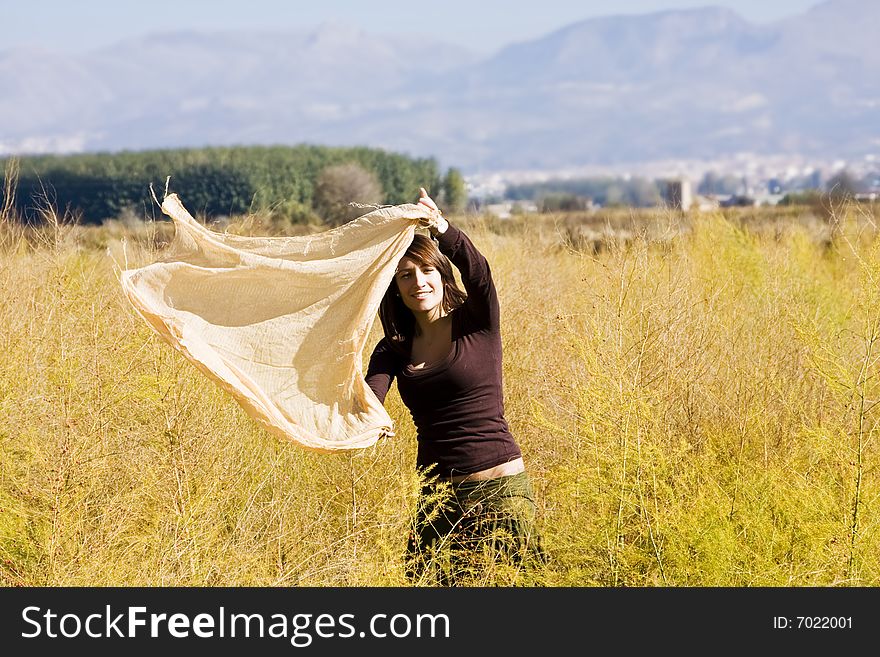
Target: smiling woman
pixel 444 348
pixel 419 300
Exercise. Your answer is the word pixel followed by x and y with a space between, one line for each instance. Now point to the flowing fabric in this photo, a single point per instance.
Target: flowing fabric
pixel 281 323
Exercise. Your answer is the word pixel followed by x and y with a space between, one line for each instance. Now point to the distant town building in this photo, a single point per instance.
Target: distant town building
pixel 510 208
pixel 706 203
pixel 768 199
pixel 678 194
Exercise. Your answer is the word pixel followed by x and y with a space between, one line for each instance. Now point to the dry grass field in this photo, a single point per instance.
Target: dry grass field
pixel 696 399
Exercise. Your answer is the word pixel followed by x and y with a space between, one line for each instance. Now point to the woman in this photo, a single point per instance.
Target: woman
pixel 444 348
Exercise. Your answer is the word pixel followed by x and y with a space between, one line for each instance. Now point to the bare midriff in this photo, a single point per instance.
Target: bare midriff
pixel 503 470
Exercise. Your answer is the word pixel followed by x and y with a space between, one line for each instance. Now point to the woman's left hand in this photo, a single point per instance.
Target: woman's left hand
pixel 427 201
pixel 436 225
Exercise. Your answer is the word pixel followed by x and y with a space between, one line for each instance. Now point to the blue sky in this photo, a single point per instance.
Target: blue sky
pixel 480 25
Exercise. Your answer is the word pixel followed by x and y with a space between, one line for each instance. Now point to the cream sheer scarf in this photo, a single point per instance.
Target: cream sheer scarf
pixel 281 323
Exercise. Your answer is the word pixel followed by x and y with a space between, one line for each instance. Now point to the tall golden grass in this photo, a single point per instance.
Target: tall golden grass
pixel 696 403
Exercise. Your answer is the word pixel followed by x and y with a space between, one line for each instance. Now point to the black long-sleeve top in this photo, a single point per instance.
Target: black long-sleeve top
pixel 457 404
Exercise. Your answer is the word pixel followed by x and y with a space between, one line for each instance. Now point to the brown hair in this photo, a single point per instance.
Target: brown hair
pixel 398 321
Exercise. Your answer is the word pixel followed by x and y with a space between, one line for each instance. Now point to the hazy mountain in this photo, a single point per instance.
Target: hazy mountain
pixel 678 84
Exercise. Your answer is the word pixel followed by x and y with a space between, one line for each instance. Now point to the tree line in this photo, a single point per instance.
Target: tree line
pixel 301 183
pixel 570 194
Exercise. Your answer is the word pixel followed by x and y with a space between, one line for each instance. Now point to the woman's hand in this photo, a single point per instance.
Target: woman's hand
pixel 437 224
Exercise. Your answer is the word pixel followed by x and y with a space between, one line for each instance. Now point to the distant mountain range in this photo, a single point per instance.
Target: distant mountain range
pixel 699 84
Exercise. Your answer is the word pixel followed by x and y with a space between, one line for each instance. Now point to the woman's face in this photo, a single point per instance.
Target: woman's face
pixel 420 286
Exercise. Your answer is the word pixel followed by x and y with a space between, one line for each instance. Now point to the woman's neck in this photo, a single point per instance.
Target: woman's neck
pixel 428 323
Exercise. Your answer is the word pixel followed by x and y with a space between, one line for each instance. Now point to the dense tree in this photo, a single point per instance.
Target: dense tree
pixel 558 202
pixel 340 185
pixel 604 191
pixel 843 184
pixel 802 197
pixel 210 181
pixel 642 193
pixel 455 196
pixel 713 184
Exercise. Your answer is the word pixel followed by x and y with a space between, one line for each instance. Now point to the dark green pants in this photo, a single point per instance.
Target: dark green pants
pixel 479 532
